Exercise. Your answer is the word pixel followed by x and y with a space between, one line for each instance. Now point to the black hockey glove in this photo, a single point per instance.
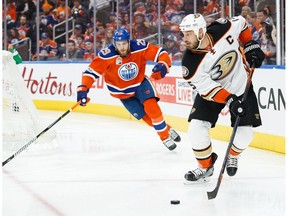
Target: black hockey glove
pixel 235 105
pixel 82 92
pixel 253 53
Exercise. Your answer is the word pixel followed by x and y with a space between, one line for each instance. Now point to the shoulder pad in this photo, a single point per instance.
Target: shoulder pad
pixel 138 44
pixel 190 63
pixel 222 20
pixel 108 52
pixel 218 28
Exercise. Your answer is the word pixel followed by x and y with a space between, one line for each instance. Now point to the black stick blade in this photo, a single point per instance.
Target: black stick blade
pixel 212 194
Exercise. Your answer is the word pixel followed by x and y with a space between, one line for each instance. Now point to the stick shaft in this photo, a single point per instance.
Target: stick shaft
pixel 213 194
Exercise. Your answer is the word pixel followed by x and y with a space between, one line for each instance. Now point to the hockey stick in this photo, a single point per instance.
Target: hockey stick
pixel 213 194
pixel 40 134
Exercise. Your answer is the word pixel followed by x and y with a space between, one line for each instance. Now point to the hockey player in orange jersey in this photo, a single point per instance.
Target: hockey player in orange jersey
pixel 122 64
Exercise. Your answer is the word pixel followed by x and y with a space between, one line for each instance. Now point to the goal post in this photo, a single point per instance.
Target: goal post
pixel 21 120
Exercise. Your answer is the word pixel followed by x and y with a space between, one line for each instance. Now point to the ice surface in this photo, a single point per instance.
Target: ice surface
pixel 107 166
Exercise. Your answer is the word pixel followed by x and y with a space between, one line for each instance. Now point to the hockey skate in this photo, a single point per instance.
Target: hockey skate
pixel 174 135
pixel 232 165
pixel 201 174
pixel 169 143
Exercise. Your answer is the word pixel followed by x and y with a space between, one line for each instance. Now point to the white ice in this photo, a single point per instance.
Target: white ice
pixel 107 166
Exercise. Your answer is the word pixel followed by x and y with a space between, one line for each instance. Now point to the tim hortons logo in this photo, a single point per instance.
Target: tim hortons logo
pixel 49 85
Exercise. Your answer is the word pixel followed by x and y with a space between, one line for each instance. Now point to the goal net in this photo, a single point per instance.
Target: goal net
pixel 21 121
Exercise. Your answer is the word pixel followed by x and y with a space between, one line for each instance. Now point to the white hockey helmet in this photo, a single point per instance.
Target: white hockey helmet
pixel 193 22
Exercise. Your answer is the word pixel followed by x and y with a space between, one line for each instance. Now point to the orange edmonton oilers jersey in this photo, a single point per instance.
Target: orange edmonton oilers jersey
pixel 123 75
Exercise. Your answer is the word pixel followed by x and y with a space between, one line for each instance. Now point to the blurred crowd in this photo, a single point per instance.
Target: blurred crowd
pixel 21 23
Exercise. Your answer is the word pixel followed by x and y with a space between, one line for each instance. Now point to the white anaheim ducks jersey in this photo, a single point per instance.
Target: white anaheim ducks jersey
pixel 208 71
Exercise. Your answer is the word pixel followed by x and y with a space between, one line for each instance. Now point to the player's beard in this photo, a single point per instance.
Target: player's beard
pixel 192 46
pixel 124 53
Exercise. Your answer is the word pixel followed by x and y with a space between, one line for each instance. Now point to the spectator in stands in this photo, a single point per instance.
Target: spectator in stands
pixel 46 5
pixel 80 43
pixel 23 26
pixel 175 14
pixel 123 5
pixel 79 13
pixel 78 30
pixel 175 31
pixel 112 21
pixel 267 44
pixel 89 51
pixel 99 46
pixel 61 28
pixel 178 56
pixel 47 48
pixel 169 7
pixel 270 20
pixel 268 11
pixel 61 10
pixel 140 27
pixel 118 22
pixel 139 7
pixel 171 45
pixel 27 8
pixel 89 33
pixel 74 54
pixel 11 16
pixel 14 37
pixel 109 37
pixel 125 18
pixel 212 8
pixel 150 6
pixel 248 3
pixel 152 19
pixel 47 18
pixel 166 25
pixel 254 26
pixel 101 33
pixel 262 16
pixel 245 11
pixel 209 20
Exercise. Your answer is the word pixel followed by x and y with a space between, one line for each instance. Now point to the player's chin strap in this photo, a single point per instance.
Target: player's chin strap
pixel 199 40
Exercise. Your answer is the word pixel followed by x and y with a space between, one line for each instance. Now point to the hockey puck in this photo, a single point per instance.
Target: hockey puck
pixel 175 202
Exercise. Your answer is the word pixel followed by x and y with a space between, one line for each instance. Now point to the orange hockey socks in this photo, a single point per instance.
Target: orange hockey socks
pixel 153 110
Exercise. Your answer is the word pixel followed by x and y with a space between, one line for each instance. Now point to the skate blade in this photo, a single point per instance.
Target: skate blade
pixel 200 181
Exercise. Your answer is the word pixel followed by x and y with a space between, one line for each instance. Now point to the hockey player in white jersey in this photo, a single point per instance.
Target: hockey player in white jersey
pixel 215 67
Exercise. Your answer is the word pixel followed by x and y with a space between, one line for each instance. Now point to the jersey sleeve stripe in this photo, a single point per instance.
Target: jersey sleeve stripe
pixel 159 52
pixel 94 76
pixel 91 72
pixel 245 36
pixel 217 94
pixel 89 75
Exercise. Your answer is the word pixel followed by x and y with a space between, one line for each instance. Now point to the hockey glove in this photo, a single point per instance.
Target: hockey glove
pixel 235 105
pixel 82 92
pixel 159 71
pixel 253 53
